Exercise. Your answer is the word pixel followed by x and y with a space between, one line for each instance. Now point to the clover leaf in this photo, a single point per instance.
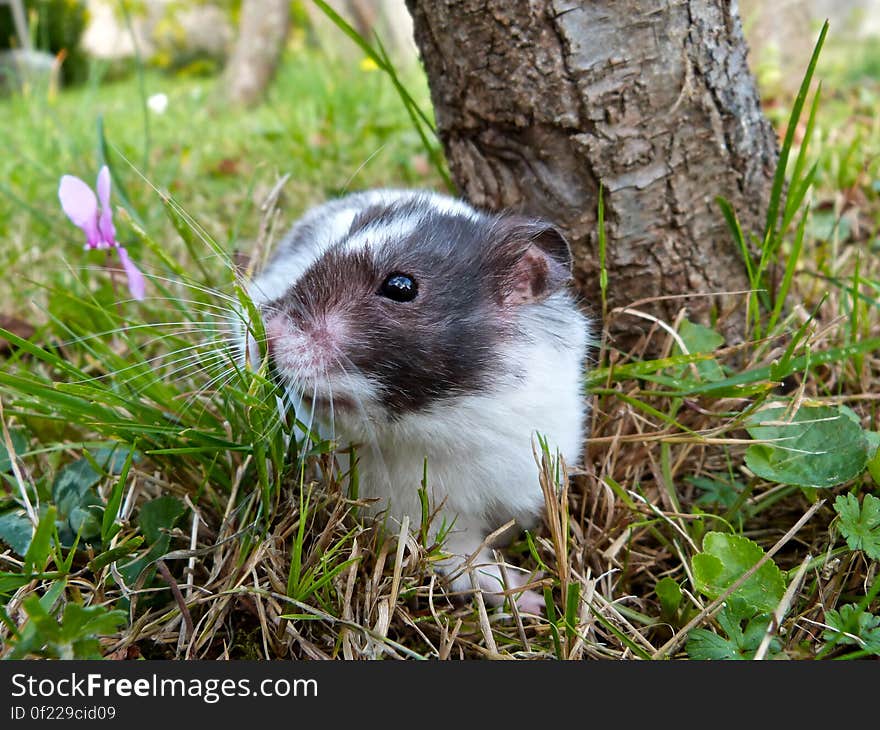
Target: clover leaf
pixel 860 524
pixel 724 559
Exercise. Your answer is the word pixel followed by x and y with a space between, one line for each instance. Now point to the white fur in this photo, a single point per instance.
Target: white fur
pixel 397 229
pixel 479 448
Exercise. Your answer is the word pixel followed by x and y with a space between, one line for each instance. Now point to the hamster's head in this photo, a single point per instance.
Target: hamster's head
pixel 412 306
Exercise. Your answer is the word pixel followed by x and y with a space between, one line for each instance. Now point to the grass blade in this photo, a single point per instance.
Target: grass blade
pixel 779 176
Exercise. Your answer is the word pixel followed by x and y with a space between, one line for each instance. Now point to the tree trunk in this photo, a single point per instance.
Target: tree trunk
pixel 262 32
pixel 539 102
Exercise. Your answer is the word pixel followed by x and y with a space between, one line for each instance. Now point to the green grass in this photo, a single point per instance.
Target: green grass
pixel 327 123
pixel 146 456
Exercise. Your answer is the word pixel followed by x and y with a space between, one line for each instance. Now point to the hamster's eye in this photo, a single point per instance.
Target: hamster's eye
pixel 399 288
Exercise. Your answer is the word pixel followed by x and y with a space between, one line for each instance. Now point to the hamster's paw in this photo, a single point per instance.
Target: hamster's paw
pixel 494 592
pixel 470 562
pixel 491 585
pixel 531 602
pixel 528 601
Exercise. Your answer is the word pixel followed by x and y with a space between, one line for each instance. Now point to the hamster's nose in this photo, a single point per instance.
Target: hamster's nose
pixel 312 344
pixel 276 326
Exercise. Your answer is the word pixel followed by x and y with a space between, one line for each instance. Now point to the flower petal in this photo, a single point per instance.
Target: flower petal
pixel 136 282
pixel 105 221
pixel 79 203
pixel 158 103
pixel 103 186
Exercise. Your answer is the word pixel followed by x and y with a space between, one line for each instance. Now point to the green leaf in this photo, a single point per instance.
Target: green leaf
pixel 19 444
pixel 79 622
pixel 105 558
pixel 40 625
pixel 700 339
pixel 717 491
pixel 11 582
pixel 72 484
pixel 669 594
pixel 737 643
pixel 155 516
pixel 874 448
pixel 873 438
pixel 755 630
pixel 705 644
pixel 724 559
pixel 819 446
pixel 158 514
pixel 852 625
pixel 860 525
pixel 85 522
pixel 112 460
pixel 41 544
pixel 708 569
pixel 109 528
pixel 78 503
pixel 74 636
pixel 16 530
pixel 73 491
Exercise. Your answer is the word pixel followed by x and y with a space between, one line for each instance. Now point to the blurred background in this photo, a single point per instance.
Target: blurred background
pixel 185 36
pixel 198 36
pixel 166 89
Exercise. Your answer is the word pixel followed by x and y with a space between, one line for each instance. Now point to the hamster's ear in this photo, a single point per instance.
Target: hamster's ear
pixel 541 264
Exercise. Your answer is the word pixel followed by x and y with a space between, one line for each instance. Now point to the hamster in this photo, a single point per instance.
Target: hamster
pixel 418 328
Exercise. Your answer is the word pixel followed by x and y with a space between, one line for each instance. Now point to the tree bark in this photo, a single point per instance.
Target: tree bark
pixel 262 32
pixel 539 102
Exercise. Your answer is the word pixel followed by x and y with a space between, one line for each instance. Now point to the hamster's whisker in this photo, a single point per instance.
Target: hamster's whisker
pixel 218 311
pixel 191 367
pixel 303 419
pixel 193 224
pixel 215 310
pixel 149 361
pixel 278 413
pixel 366 422
pixel 213 385
pixel 162 359
pixel 223 376
pixel 222 332
pixel 360 167
pixel 307 431
pixel 283 404
pixel 196 287
pixel 329 389
pixel 222 336
pixel 193 363
pixel 190 325
pixel 276 421
pixel 271 309
pixel 332 414
pixel 146 270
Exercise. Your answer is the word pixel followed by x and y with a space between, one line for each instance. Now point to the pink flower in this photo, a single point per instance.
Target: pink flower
pixel 81 206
